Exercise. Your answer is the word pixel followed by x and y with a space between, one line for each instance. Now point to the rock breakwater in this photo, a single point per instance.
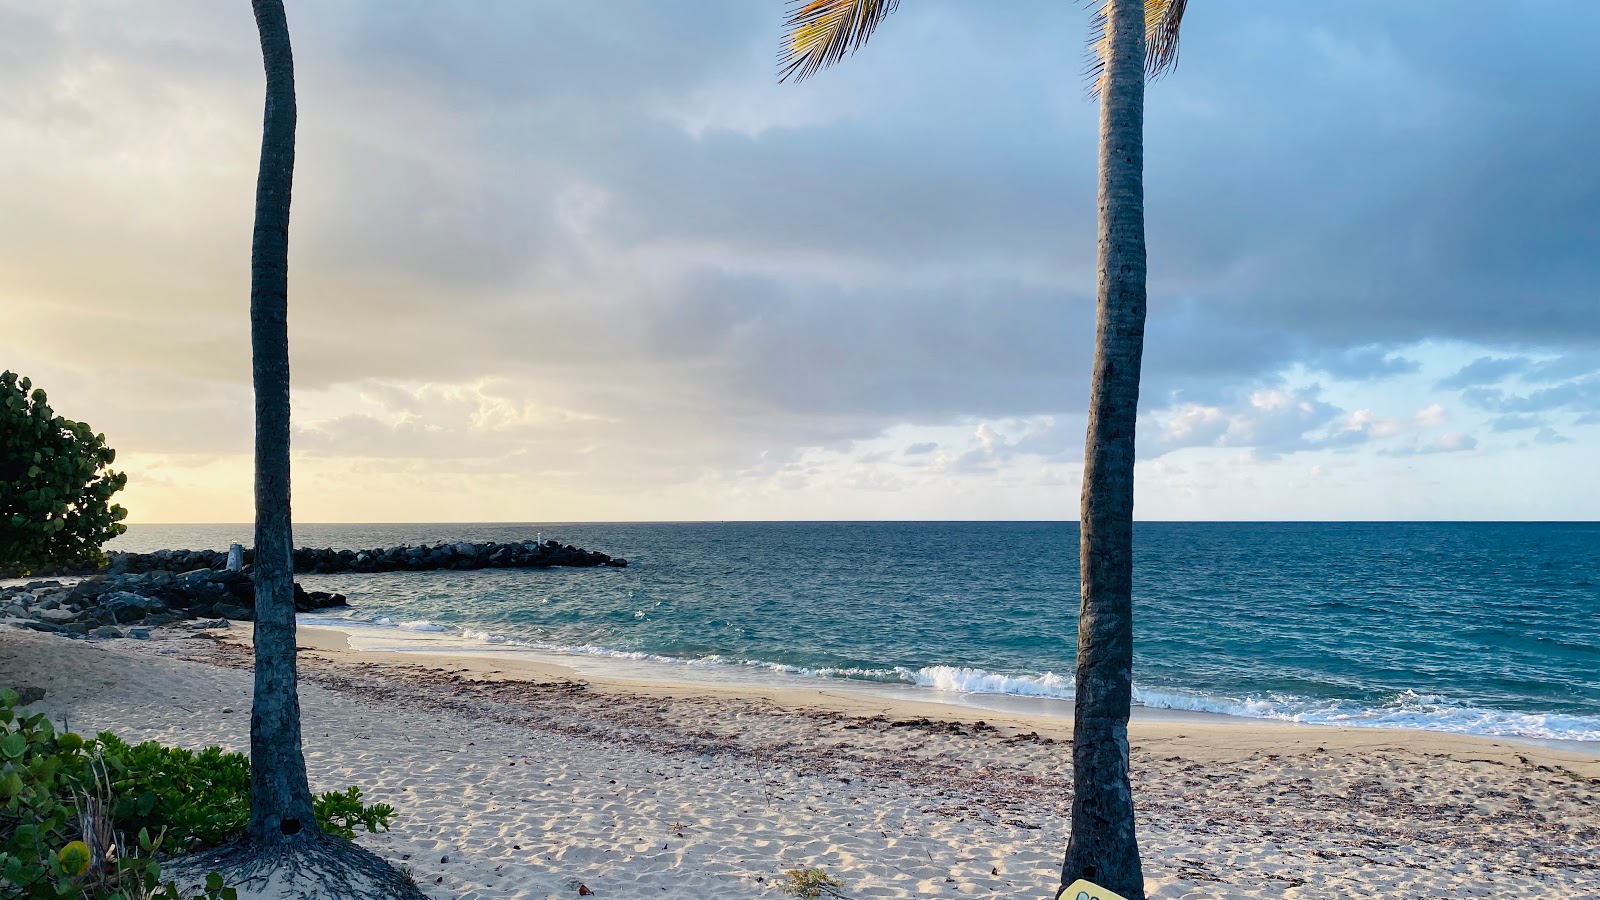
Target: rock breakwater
pixel 141 589
pixel 459 555
pixel 104 605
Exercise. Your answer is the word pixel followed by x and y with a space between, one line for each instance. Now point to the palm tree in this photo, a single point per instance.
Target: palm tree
pixel 1131 38
pixel 280 796
pixel 282 845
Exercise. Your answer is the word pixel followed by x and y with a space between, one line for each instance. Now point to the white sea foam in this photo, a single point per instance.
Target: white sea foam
pixel 1407 710
pixel 977 681
pixel 423 625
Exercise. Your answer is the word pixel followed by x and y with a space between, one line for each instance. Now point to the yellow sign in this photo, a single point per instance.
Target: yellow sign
pixel 1087 890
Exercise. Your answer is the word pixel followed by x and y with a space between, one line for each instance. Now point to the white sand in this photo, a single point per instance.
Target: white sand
pixel 512 782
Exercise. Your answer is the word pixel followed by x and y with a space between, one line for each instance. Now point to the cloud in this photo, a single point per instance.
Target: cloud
pixel 1272 422
pixel 1363 364
pixel 1485 370
pixel 1577 396
pixel 1451 442
pixel 605 240
pixel 1043 439
pixel 1514 423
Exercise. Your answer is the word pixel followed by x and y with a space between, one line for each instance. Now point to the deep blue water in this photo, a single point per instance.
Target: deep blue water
pixel 1488 628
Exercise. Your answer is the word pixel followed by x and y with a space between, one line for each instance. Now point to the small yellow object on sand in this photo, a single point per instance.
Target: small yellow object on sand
pixel 1087 890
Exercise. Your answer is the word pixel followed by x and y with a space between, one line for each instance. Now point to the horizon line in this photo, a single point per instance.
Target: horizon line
pixel 908 521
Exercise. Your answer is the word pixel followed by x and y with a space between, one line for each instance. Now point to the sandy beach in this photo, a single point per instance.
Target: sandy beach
pixel 518 779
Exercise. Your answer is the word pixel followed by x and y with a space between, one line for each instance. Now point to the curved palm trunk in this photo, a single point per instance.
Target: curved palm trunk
pixel 1103 846
pixel 280 798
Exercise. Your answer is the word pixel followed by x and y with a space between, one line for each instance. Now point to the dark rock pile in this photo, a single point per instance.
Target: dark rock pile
pixel 140 588
pixel 311 560
pixel 104 605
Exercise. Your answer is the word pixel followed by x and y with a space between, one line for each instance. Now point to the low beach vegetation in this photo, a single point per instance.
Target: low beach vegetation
pixel 811 884
pixel 90 817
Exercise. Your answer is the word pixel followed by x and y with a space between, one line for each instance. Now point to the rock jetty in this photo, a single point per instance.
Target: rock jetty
pixel 140 589
pixel 428 557
pixel 106 605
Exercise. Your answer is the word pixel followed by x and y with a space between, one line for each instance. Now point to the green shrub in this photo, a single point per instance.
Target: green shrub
pixel 55 837
pixel 55 485
pixel 201 799
pixel 64 799
pixel 340 813
pixel 810 884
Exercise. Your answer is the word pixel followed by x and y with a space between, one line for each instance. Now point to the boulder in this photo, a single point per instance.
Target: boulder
pixel 56 616
pixel 106 631
pixel 125 606
pixel 236 613
pixel 91 589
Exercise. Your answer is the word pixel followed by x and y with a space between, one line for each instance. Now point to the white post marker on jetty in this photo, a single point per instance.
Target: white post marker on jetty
pixel 235 557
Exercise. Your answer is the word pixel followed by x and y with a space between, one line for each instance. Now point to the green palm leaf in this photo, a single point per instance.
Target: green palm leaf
pixel 1161 21
pixel 819 33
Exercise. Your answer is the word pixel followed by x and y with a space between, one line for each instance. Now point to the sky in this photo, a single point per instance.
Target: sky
pixel 590 261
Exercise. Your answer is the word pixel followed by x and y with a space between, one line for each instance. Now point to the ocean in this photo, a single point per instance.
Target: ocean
pixel 1477 628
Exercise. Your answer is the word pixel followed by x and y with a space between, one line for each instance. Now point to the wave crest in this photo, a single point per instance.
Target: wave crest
pixel 1405 710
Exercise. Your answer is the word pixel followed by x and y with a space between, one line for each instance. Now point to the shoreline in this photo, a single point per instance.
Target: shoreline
pixel 909 701
pixel 523 780
pixel 674 677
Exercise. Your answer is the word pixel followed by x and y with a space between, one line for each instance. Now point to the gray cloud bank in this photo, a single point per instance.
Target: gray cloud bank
pixel 612 208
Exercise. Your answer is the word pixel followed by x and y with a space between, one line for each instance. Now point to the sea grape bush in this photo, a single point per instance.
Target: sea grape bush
pixel 55 484
pixel 203 799
pixel 340 813
pixel 64 797
pixel 52 834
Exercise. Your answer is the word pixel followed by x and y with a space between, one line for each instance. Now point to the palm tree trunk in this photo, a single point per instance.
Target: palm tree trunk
pixel 282 845
pixel 280 797
pixel 1103 846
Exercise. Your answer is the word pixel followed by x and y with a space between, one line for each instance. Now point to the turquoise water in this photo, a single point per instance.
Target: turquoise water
pixel 1485 628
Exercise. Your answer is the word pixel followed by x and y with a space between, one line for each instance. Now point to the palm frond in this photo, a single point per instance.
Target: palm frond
pixel 819 33
pixel 1161 21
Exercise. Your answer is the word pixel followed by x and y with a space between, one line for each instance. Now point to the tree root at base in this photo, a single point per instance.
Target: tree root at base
pixel 309 866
